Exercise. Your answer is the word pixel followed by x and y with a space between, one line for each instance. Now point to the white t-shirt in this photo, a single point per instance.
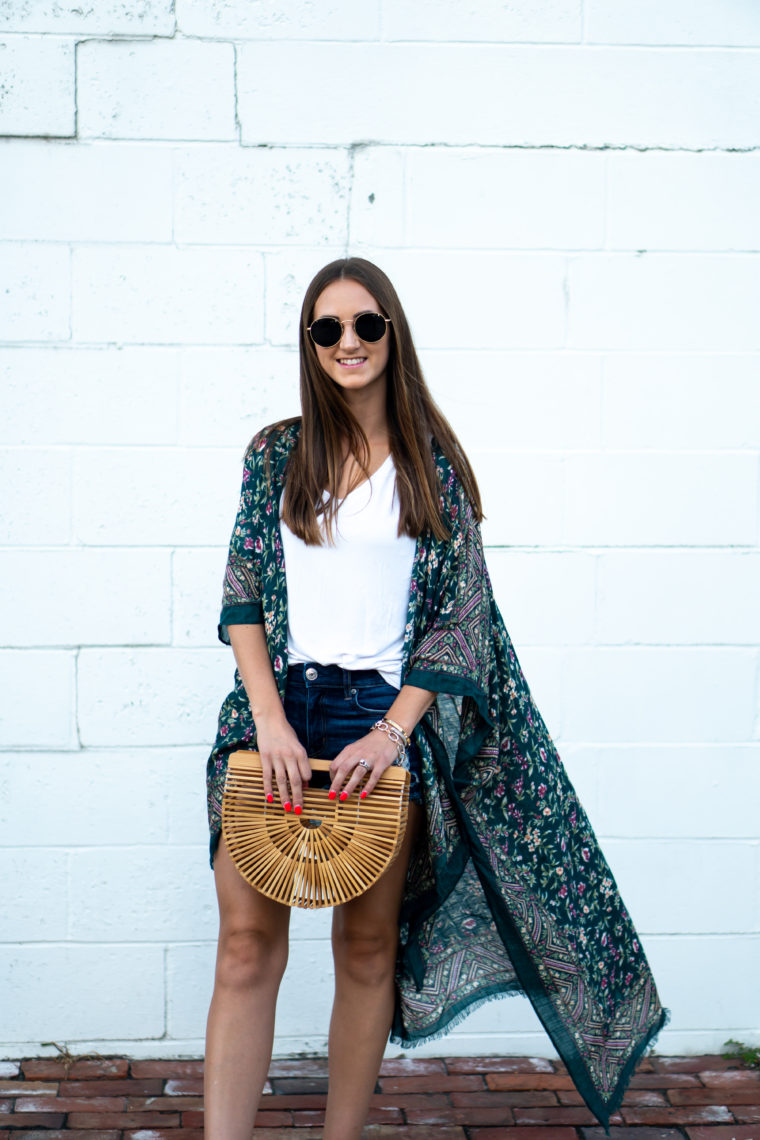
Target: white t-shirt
pixel 347 603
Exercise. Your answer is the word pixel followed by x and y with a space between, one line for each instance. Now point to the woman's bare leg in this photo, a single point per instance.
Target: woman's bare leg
pixel 365 943
pixel 251 959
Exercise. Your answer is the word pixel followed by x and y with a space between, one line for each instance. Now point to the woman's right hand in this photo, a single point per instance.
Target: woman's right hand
pixel 284 761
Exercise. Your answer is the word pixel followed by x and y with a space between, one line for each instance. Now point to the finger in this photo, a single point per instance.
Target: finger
pixel 372 781
pixel 296 789
pixel 281 776
pixel 266 779
pixel 356 777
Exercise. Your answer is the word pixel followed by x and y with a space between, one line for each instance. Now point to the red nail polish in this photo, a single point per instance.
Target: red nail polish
pixel 363 796
pixel 270 798
pixel 331 795
pixel 343 796
pixel 297 809
pixel 287 805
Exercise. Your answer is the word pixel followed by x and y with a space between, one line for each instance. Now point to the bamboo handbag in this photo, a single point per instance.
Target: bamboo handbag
pixel 330 853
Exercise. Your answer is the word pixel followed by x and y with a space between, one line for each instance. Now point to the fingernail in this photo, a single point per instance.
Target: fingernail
pixel 331 795
pixel 343 796
pixel 297 809
pixel 363 796
pixel 270 798
pixel 287 805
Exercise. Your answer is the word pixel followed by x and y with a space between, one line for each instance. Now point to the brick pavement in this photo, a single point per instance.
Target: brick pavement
pixel 452 1098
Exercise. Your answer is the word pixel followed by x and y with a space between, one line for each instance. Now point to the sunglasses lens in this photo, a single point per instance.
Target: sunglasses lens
pixel 326 331
pixel 370 327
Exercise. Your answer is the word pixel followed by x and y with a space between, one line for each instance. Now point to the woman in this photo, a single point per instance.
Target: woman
pixel 355 590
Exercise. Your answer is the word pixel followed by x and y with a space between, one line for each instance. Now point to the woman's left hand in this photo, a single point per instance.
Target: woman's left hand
pixel 376 750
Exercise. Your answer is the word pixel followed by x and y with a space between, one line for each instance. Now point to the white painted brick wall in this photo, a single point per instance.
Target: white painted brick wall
pixel 565 195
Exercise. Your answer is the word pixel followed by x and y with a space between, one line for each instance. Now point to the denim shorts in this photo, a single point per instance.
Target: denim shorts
pixel 329 707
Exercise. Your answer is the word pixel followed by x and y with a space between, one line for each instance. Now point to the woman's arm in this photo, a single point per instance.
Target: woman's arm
pixel 282 754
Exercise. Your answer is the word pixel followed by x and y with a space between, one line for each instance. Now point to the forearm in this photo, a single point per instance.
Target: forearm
pixel 255 667
pixel 410 706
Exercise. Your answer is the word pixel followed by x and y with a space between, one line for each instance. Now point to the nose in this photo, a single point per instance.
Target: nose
pixel 349 339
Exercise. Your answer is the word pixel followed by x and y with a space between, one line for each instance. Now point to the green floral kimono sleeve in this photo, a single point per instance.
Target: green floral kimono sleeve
pixel 241 597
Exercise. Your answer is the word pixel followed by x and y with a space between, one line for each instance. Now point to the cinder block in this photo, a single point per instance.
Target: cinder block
pixel 660 499
pixel 70 993
pixel 508 199
pixel 287 275
pixel 546 598
pixel 158 89
pixel 690 22
pixel 35 890
pixel 694 789
pixel 683 201
pixel 59 192
pixel 75 594
pixel 532 517
pixel 189 985
pixel 680 597
pixel 677 961
pixel 113 17
pixel 37 710
pixel 515 402
pixel 186 800
pixel 196 595
pixel 703 401
pixel 89 395
pixel 228 394
pixel 554 95
pixel 155 497
pixel 378 195
pixel 268 19
pixel 35 303
pixel 38 86
pixel 152 696
pixel 703 887
pixel 663 695
pixel 167 295
pixel 480 300
pixel 489 21
pixel 120 796
pixel 141 894
pixel 35 490
pixel 662 301
pixel 261 197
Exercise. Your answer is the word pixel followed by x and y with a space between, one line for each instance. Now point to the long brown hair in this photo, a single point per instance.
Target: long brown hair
pixel 328 424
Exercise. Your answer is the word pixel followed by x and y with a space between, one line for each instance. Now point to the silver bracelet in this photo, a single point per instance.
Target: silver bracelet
pixel 395 736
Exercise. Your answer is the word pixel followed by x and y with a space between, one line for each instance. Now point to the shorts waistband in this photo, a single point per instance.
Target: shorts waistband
pixel 312 673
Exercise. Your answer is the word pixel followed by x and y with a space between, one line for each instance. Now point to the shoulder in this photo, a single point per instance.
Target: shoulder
pixel 274 443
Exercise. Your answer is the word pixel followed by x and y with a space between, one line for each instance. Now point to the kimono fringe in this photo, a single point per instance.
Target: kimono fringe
pixel 455 1020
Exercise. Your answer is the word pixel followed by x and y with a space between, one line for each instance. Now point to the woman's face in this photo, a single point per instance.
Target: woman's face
pixel 354 364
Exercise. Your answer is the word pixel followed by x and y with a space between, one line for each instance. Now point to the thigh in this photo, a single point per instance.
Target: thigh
pixel 379 906
pixel 241 906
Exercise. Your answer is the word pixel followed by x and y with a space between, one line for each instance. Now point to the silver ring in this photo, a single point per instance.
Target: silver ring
pixel 364 764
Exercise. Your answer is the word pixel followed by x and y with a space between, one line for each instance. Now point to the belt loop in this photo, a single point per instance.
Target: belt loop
pixel 346 683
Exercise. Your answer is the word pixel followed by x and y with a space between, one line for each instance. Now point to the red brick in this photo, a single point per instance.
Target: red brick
pixel 70 1104
pixel 27 1088
pixel 413 1132
pixel 749 1114
pixel 193 1118
pixel 523 1134
pixel 409 1067
pixel 561 1114
pixel 723 1132
pixel 529 1081
pixel 463 1116
pixel 60 1134
pixel 431 1083
pixel 632 1096
pixel 697 1114
pixel 165 1134
pixel 306 1100
pixel 51 1069
pixel 498 1065
pixel 124 1120
pixel 408 1100
pixel 632 1134
pixel 107 1087
pixel 486 1099
pixel 737 1095
pixel 295 1085
pixel 165 1103
pixel 267 1119
pixel 729 1079
pixel 166 1069
pixel 710 1061
pixel 297 1067
pixel 29 1119
pixel 276 1134
pixel 664 1081
pixel 190 1086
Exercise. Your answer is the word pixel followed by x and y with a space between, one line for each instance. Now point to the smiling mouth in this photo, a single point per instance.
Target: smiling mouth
pixel 352 361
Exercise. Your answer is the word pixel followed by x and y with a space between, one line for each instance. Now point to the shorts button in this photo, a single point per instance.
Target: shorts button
pixel 311 674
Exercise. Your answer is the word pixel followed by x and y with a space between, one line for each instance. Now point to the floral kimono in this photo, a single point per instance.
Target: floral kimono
pixel 508 890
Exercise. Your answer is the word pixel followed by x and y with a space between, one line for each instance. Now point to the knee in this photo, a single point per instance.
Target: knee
pixel 247 958
pixel 367 955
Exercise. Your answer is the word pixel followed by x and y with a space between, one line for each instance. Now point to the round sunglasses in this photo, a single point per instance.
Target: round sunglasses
pixel 327 331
